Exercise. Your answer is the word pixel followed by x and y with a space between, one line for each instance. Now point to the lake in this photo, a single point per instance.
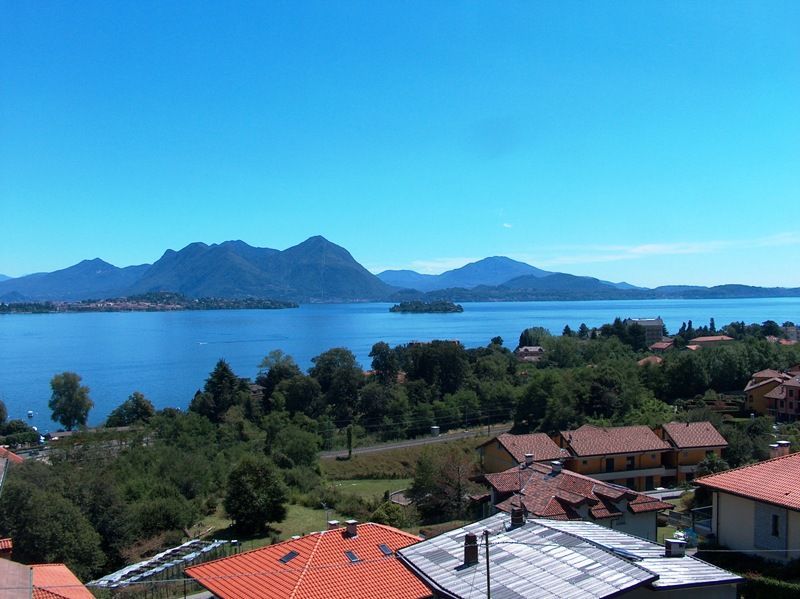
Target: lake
pixel 168 355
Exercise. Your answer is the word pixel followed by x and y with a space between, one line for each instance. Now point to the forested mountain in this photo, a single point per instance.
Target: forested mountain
pixel 317 270
pixel 4 277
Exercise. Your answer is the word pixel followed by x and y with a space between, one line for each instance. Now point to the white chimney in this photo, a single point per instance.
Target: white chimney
pixel 333 524
pixel 783 447
pixel 556 466
pixel 352 527
pixel 528 459
pixel 774 450
pixel 674 548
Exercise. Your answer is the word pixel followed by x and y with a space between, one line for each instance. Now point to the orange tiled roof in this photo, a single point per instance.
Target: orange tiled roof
pixel 767 373
pixel 755 383
pixel 319 570
pixel 591 440
pixel 56 581
pixel 662 344
pixel 546 494
pixel 540 445
pixel 775 481
pixel 694 434
pixel 6 544
pixel 10 456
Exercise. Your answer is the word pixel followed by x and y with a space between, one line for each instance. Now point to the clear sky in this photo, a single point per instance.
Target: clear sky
pixel 653 142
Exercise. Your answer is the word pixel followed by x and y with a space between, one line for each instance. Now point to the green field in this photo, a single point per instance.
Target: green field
pixel 374 487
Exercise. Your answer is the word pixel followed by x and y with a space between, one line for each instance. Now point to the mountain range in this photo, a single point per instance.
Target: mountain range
pixel 317 270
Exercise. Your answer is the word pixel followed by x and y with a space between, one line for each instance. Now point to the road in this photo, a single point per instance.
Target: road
pixel 477 432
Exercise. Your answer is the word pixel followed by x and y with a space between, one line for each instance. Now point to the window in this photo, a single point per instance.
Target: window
pixel 775 525
pixel 609 464
pixel 385 549
pixel 288 557
pixel 631 483
pixel 648 483
pixel 630 462
pixel 782 403
pixel 351 556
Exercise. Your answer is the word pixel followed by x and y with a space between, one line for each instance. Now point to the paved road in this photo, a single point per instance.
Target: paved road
pixel 342 453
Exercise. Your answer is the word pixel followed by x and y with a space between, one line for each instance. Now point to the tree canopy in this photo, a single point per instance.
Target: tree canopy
pixel 69 401
pixel 256 494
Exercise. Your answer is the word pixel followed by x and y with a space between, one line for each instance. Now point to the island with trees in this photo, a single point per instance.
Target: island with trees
pixel 418 307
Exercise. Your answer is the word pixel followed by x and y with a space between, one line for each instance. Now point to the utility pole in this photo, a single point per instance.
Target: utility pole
pixel 488 580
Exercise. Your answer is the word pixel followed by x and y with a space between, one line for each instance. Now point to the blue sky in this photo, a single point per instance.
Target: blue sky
pixel 653 142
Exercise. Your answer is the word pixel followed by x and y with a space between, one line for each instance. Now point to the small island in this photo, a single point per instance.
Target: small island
pixel 417 307
pixel 157 301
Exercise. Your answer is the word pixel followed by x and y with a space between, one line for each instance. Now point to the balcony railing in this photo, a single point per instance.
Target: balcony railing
pixel 621 474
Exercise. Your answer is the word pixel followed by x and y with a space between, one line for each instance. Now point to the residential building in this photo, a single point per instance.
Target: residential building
pixel 513 558
pixel 40 581
pixel 529 353
pixel 662 346
pixel 773 393
pixel 756 508
pixel 653 328
pixel 761 383
pixel 710 340
pixel 6 548
pixel 357 560
pixel 626 455
pixel 506 450
pixel 783 402
pixel 549 491
pixel 690 443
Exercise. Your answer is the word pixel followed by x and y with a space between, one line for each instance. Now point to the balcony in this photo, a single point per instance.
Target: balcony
pixel 621 474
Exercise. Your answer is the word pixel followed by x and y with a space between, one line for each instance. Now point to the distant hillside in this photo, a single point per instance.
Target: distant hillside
pixel 4 278
pixel 313 271
pixel 85 280
pixel 489 271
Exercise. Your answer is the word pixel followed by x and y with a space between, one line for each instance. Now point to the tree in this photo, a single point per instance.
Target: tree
pixel 533 336
pixel 339 376
pixel 137 408
pixel 3 413
pixel 384 362
pixel 256 494
pixel 583 331
pixel 70 401
pixel 223 390
pixel 274 368
pixel 567 332
pixel 442 485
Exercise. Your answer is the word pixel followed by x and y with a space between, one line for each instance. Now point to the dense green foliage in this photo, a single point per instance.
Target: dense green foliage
pixel 70 401
pixel 256 494
pixel 417 307
pixel 137 408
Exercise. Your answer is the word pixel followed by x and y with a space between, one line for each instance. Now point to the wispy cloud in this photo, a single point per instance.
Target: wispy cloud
pixel 588 254
pixel 508 226
pixel 433 266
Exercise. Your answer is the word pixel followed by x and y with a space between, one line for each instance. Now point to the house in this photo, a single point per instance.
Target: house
pixel 6 547
pixel 756 508
pixel 506 450
pixel 761 383
pixel 626 455
pixel 357 560
pixel 690 443
pixel 653 328
pixel 529 353
pixel 783 402
pixel 518 558
pixel 710 340
pixel 40 581
pixel 662 346
pixel 549 491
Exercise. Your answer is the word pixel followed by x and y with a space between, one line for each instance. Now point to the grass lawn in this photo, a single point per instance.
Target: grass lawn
pixel 367 488
pixel 392 463
pixel 664 532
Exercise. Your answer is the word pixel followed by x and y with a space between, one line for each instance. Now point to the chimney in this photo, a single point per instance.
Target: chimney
pixel 333 524
pixel 556 466
pixel 470 549
pixel 774 450
pixel 528 459
pixel 674 548
pixel 783 448
pixel 352 529
pixel 517 517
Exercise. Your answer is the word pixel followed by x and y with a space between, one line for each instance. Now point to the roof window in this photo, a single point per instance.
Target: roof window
pixel 288 557
pixel 385 549
pixel 352 557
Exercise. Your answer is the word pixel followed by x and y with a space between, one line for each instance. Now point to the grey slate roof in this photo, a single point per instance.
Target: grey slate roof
pixel 551 558
pixel 533 560
pixel 673 572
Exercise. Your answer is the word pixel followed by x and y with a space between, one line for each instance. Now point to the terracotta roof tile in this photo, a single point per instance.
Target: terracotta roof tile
pixel 686 435
pixel 662 345
pixel 767 373
pixel 6 544
pixel 543 448
pixel 56 581
pixel 546 494
pixel 711 339
pixel 591 440
pixel 319 570
pixel 10 456
pixel 775 481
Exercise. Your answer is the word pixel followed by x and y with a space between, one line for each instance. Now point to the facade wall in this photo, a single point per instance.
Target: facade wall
pixel 756 402
pixel 495 458
pixel 771 527
pixel 734 521
pixel 793 534
pixel 641 525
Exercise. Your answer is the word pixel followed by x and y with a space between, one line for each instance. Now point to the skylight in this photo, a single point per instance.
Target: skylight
pixel 288 557
pixel 385 549
pixel 351 556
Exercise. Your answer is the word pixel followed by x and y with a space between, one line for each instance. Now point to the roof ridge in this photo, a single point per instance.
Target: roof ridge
pixel 392 530
pixel 305 568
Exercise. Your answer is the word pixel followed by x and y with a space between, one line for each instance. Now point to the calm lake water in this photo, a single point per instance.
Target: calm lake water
pixel 167 356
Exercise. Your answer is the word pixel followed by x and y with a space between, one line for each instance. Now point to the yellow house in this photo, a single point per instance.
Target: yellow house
pixel 626 455
pixel 760 384
pixel 691 442
pixel 756 508
pixel 506 451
